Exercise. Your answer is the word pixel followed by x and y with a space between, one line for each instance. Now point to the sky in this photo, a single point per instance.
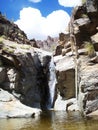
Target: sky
pixel 39 18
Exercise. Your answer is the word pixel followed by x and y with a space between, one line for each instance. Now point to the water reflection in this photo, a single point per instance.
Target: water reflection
pixel 50 121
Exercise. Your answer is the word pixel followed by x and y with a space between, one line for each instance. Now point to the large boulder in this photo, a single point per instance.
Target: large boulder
pixel 10 107
pixel 65 68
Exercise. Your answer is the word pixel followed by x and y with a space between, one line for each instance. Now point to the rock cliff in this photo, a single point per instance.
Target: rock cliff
pixel 24 73
pixel 81 45
pixel 83 27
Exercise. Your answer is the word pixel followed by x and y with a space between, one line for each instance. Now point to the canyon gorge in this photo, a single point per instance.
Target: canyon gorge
pixel 59 75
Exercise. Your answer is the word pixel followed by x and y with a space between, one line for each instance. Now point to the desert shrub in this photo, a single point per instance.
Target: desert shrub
pixel 90 49
pixel 25 47
pixel 1 40
pixel 9 50
pixel 83 1
pixel 84 16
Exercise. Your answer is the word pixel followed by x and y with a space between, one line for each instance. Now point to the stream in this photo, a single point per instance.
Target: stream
pixel 50 120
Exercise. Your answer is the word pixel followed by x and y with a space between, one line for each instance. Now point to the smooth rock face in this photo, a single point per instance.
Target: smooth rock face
pixel 66 105
pixel 65 76
pixel 11 107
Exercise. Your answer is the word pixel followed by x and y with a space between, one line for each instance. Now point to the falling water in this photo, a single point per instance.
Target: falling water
pixel 52 82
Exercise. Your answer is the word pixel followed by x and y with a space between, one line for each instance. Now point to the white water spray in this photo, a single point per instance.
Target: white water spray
pixel 52 82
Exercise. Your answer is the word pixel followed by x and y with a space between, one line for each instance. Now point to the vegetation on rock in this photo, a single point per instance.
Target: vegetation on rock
pixel 1 40
pixel 90 49
pixel 83 1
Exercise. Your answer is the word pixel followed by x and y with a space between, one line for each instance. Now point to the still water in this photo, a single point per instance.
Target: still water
pixel 51 121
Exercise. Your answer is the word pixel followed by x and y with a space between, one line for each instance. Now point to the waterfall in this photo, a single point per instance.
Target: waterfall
pixel 52 82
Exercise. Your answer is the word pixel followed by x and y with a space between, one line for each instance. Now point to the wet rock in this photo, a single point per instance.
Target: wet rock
pixel 2 74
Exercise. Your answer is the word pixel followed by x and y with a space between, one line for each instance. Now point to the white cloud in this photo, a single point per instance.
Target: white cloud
pixel 35 1
pixel 36 26
pixel 69 3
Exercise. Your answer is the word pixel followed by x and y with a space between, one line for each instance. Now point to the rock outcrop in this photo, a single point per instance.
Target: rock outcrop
pixel 10 107
pixel 82 47
pixel 11 31
pixel 83 29
pixel 24 73
pixel 88 85
pixel 63 44
pixel 65 68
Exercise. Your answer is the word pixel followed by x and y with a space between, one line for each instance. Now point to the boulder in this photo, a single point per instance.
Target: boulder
pixel 10 107
pixel 65 68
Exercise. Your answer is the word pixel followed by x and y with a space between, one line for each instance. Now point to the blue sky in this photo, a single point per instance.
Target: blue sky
pixel 39 18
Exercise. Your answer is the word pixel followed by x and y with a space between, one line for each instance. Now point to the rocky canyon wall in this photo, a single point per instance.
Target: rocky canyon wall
pixel 82 47
pixel 24 73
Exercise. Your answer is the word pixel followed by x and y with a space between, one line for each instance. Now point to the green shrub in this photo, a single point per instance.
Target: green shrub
pixel 9 50
pixel 90 49
pixel 1 40
pixel 84 16
pixel 3 37
pixel 25 47
pixel 83 1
